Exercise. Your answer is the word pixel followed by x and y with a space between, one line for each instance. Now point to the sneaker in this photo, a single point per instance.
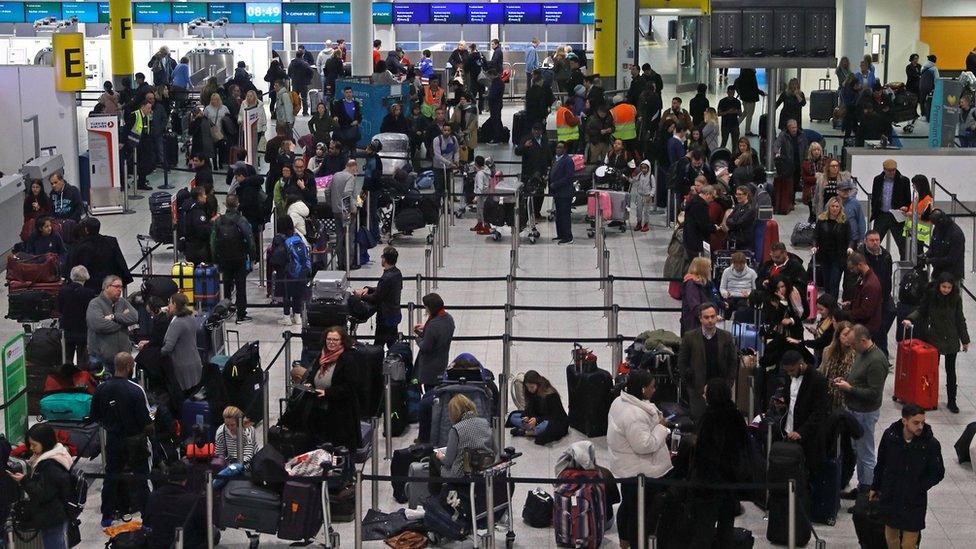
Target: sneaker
pixel 243 319
pixel 518 432
pixel 107 522
pixel 564 242
pixel 295 319
pixel 284 321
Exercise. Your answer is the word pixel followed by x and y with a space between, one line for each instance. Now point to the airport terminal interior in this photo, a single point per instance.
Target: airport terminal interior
pixel 559 294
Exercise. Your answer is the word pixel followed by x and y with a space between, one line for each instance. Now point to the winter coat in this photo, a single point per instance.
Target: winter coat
pixel 434 349
pixel 637 441
pixel 741 224
pixel 693 294
pixel 947 252
pixel 47 486
pixel 180 346
pixel 941 321
pixel 905 471
pixel 832 237
pixel 698 226
pixel 338 420
pixel 722 441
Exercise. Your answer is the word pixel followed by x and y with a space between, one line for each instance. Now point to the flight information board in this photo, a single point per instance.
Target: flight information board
pixel 560 14
pixel 523 14
pixel 334 13
pixel 86 12
pixel 262 12
pixel 151 12
pixel 382 13
pixel 11 12
pixel 486 14
pixel 184 12
pixel 411 14
pixel 39 10
pixel 299 12
pixel 449 14
pixel 233 11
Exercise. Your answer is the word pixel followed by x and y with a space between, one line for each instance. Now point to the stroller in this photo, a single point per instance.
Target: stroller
pixel 501 209
pixel 462 508
pixel 612 190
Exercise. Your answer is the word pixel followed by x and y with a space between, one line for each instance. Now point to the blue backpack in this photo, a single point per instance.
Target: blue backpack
pixel 425 180
pixel 299 259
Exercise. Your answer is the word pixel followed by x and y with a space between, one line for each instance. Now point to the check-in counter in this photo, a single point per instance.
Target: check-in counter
pixel 954 168
pixel 11 210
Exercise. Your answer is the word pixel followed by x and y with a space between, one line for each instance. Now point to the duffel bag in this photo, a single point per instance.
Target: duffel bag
pixel 66 406
pixel 25 267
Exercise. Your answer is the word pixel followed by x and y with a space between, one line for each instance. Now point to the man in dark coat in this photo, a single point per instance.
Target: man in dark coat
pixel 707 352
pixel 783 263
pixel 300 73
pixel 947 253
pixel 909 465
pixel 698 226
pixel 890 191
pixel 536 156
pixel 561 187
pixel 385 298
pixel 805 403
pixel 99 254
pixel 538 100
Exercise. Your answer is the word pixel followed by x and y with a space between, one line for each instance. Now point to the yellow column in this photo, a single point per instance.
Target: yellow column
pixel 69 61
pixel 605 37
pixel 120 16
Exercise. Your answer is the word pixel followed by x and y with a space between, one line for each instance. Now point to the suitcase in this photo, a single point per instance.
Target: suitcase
pixel 161 220
pixel 45 350
pixel 745 386
pixel 206 287
pixel 342 505
pixel 365 449
pixel 370 385
pixel 249 507
pixel 409 220
pixel 399 421
pixel 606 206
pixel 578 510
pixel 25 267
pixel 330 286
pixel 823 101
pixel 746 336
pixel 917 373
pixel 783 195
pixel 268 468
pixel 812 291
pixel 868 524
pixel 400 467
pixel 440 421
pixel 325 314
pixel 314 98
pixel 803 235
pixel 418 492
pixel 66 406
pixel 301 511
pixel 83 436
pixel 31 305
pixel 589 397
pixel 764 204
pixel 962 445
pixel 786 462
pixel 183 277
pixel 171 149
pixel 825 486
pixel 766 234
pixel 195 416
pixel 290 442
pixel 519 130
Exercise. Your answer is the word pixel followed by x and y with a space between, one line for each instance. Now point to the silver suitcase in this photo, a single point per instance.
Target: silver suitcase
pixel 314 98
pixel 330 286
pixel 418 492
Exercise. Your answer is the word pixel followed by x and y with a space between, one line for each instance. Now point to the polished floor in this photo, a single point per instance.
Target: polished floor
pixel 951 504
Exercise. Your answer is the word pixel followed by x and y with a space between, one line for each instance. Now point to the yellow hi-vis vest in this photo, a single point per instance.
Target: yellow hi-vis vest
pixel 565 132
pixel 625 121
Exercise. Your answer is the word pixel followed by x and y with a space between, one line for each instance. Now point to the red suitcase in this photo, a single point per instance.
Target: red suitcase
pixel 771 237
pixel 917 373
pixel 783 195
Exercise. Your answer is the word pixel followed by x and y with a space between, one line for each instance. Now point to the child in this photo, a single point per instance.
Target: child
pixel 642 184
pixel 482 185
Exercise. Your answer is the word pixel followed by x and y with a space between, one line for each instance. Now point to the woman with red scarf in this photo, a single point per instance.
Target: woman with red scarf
pixel 332 413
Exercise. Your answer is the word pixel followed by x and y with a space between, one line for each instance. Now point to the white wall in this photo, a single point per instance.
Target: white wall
pixel 29 90
pixel 948 8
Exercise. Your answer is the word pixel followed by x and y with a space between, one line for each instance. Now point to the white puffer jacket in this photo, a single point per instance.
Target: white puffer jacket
pixel 638 442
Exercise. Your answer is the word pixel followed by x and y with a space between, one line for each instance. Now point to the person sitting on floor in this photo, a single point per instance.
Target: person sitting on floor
pixel 544 417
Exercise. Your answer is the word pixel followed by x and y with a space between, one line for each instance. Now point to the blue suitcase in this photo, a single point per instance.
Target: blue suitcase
pixel 758 240
pixel 746 336
pixel 206 287
pixel 197 413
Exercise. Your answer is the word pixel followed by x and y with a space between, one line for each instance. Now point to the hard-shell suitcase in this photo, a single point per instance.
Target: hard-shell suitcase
pixel 246 506
pixel 301 510
pixel 161 218
pixel 399 421
pixel 330 286
pixel 745 388
pixel 32 305
pixel 82 435
pixel 589 397
pixel 314 98
pixel 786 462
pixel 418 492
pixel 825 488
pixel 195 417
pixel 823 101
pixel 365 449
pixel 183 277
pixel 66 406
pixel 440 422
pixel 400 467
pixel 783 195
pixel 206 287
pixel 917 373
pixel 519 131
pixel 812 292
pixel 606 207
pixel 962 445
pixel 766 234
pixel 325 314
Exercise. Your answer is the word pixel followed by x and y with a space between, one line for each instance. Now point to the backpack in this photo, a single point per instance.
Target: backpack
pixel 299 260
pixel 296 102
pixel 279 256
pixel 182 203
pixel 311 229
pixel 230 247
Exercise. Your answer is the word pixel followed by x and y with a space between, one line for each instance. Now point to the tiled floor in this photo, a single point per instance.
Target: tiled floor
pixel 951 503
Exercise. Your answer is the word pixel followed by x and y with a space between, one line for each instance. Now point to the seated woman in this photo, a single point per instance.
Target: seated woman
pixel 225 440
pixel 44 240
pixel 738 281
pixel 470 433
pixel 544 417
pixel 828 315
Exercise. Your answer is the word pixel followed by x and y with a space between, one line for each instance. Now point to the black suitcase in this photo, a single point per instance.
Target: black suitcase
pixel 161 202
pixel 44 349
pixel 290 442
pixel 962 445
pixel 400 466
pixel 868 525
pixel 823 101
pixel 398 408
pixel 301 510
pixel 370 361
pixel 409 220
pixel 589 398
pixel 248 507
pixel 342 504
pixel 325 314
pixel 428 208
pixel 825 485
pixel 30 305
pixel 786 462
pixel 311 344
pixel 519 131
pixel 83 436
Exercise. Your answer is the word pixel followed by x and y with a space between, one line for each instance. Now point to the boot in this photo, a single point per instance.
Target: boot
pixel 951 393
pixel 477 228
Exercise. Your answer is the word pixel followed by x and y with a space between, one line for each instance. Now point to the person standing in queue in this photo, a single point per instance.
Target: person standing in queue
pixel 120 406
pixel 561 176
pixel 385 297
pixel 47 485
pixel 433 341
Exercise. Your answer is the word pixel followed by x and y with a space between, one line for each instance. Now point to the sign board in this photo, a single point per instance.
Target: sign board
pixel 263 12
pixel 120 15
pixel 13 390
pixel 69 61
pixel 104 164
pixel 233 11
pixel 252 136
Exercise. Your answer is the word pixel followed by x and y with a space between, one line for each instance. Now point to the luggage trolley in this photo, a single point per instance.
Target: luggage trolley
pixel 501 209
pixel 612 188
pixel 412 206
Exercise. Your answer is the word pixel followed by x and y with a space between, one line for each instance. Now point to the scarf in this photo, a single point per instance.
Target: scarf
pixel 328 358
pixel 441 312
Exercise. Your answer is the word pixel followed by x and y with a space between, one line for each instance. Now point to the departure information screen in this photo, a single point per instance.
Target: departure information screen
pixel 334 13
pixel 184 12
pixel 233 11
pixel 411 14
pixel 151 12
pixel 448 14
pixel 86 12
pixel 263 12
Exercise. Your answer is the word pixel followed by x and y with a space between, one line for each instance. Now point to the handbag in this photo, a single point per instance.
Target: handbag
pixel 538 509
pixel 216 132
pixel 407 540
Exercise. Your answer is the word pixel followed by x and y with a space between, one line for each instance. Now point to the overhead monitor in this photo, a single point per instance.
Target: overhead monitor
pixel 11 12
pixel 486 14
pixel 560 14
pixel 263 12
pixel 299 12
pixel 184 12
pixel 334 13
pixel 411 14
pixel 233 11
pixel 40 10
pixel 382 13
pixel 449 13
pixel 587 14
pixel 523 14
pixel 151 12
pixel 103 12
pixel 86 12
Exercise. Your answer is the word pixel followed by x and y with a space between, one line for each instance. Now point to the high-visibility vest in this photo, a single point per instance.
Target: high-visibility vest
pixel 431 101
pixel 625 121
pixel 923 230
pixel 565 132
pixel 141 121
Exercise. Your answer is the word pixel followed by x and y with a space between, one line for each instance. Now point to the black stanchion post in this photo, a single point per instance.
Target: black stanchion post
pixel 210 510
pixel 411 320
pixel 375 458
pixel 266 405
pixel 286 335
pixel 387 415
pixel 502 408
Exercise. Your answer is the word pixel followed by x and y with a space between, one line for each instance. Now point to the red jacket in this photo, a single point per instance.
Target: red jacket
pixel 866 302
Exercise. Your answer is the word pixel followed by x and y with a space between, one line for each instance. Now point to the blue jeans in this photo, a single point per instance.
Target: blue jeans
pixel 53 537
pixel 832 271
pixel 865 448
pixel 517 419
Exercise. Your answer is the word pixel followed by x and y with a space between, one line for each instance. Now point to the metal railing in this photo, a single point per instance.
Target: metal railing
pixel 954 205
